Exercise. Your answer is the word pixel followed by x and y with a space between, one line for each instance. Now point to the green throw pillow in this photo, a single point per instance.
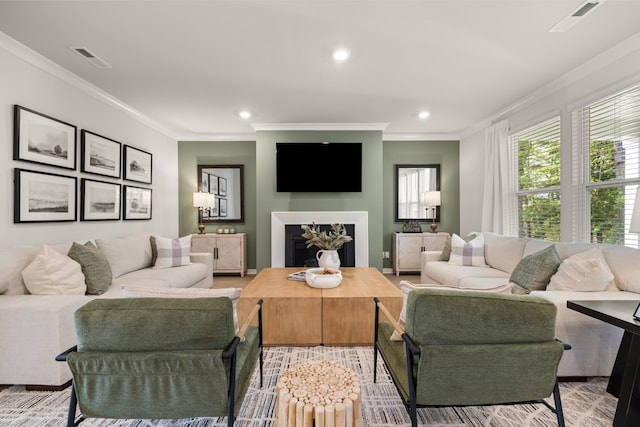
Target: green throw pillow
pixel 95 267
pixel 534 271
pixel 446 251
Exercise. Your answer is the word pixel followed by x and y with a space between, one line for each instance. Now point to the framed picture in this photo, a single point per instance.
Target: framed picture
pixel 137 165
pixel 42 139
pixel 205 213
pixel 215 209
pixel 100 155
pixel 136 203
pixel 204 179
pixel 213 184
pixel 222 187
pixel 99 201
pixel 43 197
pixel 223 207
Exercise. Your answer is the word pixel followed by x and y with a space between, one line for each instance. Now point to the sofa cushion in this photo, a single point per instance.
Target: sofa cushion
pixel 534 271
pixel 95 267
pixel 502 252
pixel 52 273
pixel 584 271
pixel 469 253
pixel 233 294
pixel 448 274
pixel 170 252
pixel 126 254
pixel 623 262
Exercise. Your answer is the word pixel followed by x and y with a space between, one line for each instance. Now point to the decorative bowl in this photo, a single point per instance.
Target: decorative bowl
pixel 323 278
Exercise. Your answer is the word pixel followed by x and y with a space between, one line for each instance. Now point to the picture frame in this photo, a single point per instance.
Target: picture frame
pixel 100 155
pixel 222 187
pixel 636 314
pixel 204 182
pixel 43 197
pixel 213 184
pixel 136 203
pixel 215 209
pixel 223 207
pixel 38 138
pixel 137 165
pixel 99 200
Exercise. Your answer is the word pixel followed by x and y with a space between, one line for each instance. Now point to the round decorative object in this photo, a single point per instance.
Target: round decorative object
pixel 324 278
pixel 220 230
pixel 328 259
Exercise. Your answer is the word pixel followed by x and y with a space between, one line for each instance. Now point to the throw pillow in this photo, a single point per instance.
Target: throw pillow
pixel 126 254
pixel 469 253
pixel 584 271
pixel 171 252
pixel 534 271
pixel 446 251
pixel 95 267
pixel 406 287
pixel 53 273
pixel 132 291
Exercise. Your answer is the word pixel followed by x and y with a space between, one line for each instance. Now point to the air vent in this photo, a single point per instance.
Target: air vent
pixel 576 16
pixel 90 56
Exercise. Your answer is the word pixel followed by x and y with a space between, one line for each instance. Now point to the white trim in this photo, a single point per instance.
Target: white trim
pixel 37 60
pixel 420 137
pixel 360 219
pixel 217 137
pixel 319 126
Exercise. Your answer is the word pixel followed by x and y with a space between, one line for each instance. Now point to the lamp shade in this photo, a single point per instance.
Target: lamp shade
pixel 200 199
pixel 431 198
pixel 634 227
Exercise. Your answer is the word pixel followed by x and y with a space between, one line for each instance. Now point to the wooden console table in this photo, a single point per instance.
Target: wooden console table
pixel 294 313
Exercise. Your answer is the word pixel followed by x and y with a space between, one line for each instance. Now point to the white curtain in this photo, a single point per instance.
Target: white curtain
pixel 499 203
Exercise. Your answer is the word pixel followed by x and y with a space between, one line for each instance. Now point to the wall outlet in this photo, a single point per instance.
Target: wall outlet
pixel 385 254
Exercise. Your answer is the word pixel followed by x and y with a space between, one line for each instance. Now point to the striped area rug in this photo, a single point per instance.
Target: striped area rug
pixel 585 404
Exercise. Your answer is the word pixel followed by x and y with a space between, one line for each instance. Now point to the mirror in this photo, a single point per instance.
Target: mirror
pixel 226 182
pixel 411 181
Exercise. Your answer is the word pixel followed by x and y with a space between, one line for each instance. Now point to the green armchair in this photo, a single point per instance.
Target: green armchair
pixel 464 348
pixel 159 358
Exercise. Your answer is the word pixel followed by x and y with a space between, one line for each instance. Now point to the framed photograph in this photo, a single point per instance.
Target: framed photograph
pixel 136 203
pixel 213 184
pixel 99 201
pixel 223 207
pixel 215 209
pixel 204 179
pixel 100 155
pixel 137 165
pixel 42 139
pixel 222 187
pixel 43 197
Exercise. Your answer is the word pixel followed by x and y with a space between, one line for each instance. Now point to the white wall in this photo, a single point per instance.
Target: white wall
pixel 28 85
pixel 604 75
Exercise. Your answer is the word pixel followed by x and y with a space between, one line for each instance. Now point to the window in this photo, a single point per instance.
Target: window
pixel 608 168
pixel 538 187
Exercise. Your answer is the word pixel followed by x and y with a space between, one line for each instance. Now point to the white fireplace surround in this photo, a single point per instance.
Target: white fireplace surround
pixel 359 219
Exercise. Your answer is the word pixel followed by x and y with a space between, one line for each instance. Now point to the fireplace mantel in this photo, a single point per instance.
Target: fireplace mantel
pixel 360 219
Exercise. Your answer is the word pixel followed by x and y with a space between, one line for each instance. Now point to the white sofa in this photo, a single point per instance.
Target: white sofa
pixel 36 328
pixel 594 343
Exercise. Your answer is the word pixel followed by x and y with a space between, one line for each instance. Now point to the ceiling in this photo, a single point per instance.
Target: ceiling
pixel 192 66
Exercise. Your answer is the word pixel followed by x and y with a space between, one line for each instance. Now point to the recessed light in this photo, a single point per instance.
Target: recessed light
pixel 244 114
pixel 424 114
pixel 341 55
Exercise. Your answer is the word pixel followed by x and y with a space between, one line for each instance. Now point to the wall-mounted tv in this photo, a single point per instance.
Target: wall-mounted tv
pixel 319 167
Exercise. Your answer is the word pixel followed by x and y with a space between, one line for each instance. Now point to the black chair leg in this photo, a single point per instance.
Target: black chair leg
pixel 73 403
pixel 558 402
pixel 375 363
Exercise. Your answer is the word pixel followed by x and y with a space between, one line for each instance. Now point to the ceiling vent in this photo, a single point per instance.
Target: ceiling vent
pixel 576 16
pixel 90 56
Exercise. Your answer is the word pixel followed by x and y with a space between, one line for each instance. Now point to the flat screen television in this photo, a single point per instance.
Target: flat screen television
pixel 319 167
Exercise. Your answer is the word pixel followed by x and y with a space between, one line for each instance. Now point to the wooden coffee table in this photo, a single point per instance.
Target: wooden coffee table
pixel 296 314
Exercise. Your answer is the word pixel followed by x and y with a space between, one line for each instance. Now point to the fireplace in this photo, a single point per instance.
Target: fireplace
pixel 358 219
pixel 296 253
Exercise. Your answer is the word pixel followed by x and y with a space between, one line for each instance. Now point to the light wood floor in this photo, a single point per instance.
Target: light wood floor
pixel 235 281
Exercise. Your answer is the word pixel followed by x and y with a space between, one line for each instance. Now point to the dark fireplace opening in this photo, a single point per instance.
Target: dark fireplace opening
pixel 296 253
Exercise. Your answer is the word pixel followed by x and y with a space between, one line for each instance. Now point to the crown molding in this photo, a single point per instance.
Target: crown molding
pixel 37 60
pixel 217 137
pixel 420 137
pixel 319 126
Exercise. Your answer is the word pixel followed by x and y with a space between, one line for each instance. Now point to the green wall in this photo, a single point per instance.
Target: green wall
pixel 261 198
pixel 190 155
pixel 444 153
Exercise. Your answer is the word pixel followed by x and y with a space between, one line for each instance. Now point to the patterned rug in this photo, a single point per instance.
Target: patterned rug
pixel 585 404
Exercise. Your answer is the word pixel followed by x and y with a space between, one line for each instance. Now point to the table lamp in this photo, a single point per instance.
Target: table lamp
pixel 431 199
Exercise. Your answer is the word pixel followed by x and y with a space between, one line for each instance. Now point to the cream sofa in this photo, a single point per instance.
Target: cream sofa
pixel 35 328
pixel 594 343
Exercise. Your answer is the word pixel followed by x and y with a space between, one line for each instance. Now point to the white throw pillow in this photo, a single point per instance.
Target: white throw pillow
pixel 132 291
pixel 584 271
pixel 171 252
pixel 469 253
pixel 52 273
pixel 406 287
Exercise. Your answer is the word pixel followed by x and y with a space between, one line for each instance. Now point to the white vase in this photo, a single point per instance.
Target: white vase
pixel 328 259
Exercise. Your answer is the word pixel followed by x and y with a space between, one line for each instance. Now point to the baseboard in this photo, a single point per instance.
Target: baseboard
pixel 387 271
